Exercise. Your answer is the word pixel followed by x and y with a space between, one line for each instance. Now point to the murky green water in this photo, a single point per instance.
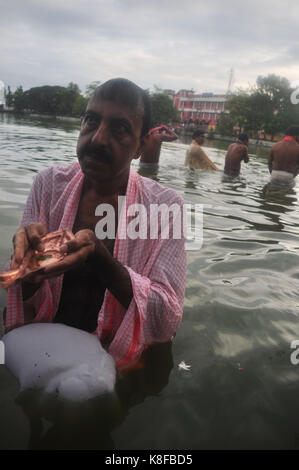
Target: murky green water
pixel 240 315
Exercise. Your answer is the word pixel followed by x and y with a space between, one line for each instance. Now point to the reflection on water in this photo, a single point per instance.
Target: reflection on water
pixel 240 314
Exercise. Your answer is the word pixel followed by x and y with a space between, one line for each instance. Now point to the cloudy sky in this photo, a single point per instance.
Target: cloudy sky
pixel 173 44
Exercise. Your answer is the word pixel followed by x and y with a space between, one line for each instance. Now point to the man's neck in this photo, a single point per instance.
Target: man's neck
pixel 109 188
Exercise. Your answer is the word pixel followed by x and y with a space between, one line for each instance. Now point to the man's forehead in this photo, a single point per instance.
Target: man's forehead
pixel 115 108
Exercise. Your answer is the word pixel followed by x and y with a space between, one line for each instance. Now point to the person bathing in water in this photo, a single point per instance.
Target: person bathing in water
pixel 283 161
pixel 152 145
pixel 196 158
pixel 236 153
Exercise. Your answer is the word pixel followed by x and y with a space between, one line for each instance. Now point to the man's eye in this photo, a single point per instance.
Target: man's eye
pixel 89 120
pixel 120 128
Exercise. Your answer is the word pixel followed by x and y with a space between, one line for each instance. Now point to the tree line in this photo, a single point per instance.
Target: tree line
pixel 266 107
pixel 69 101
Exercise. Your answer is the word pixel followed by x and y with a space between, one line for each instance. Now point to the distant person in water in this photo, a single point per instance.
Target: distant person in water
pixel 283 159
pixel 152 145
pixel 195 156
pixel 235 154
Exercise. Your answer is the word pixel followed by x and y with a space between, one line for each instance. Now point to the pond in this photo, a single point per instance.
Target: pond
pixel 240 313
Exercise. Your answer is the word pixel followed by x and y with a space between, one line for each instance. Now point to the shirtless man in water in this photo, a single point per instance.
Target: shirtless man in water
pixel 152 145
pixel 283 159
pixel 235 154
pixel 127 293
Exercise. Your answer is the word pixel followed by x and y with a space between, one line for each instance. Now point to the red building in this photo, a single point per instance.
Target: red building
pixel 205 107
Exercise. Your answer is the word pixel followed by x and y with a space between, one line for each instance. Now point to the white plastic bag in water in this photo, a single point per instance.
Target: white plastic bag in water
pixel 56 358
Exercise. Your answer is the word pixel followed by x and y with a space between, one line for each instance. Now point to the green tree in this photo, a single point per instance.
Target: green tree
pixel 267 106
pixel 225 124
pixel 79 105
pixel 91 88
pixel 163 110
pixel 246 110
pixel 275 87
pixel 239 107
pixel 19 99
pixel 69 96
pixel 54 100
pixel 73 88
pixel 48 100
pixel 279 110
pixel 9 97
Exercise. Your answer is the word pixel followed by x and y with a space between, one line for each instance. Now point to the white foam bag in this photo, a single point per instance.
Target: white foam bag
pixel 56 358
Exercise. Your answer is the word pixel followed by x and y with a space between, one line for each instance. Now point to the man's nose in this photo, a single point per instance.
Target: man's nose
pixel 101 135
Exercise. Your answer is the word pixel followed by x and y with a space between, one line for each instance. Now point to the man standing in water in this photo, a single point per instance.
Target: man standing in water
pixel 152 146
pixel 128 290
pixel 235 154
pixel 195 156
pixel 283 159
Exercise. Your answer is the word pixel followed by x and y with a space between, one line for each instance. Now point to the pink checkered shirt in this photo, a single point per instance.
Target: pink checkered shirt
pixel 157 267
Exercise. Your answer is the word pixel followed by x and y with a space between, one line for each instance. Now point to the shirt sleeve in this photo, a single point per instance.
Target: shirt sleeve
pixel 43 297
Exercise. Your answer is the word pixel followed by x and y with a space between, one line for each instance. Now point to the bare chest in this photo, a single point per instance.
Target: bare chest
pixel 86 218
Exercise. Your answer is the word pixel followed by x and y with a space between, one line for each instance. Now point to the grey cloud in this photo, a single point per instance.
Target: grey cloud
pixel 173 43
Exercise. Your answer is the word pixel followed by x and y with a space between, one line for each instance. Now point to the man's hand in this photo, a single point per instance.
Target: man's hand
pixel 85 247
pixel 163 134
pixel 26 238
pixel 111 273
pixel 77 251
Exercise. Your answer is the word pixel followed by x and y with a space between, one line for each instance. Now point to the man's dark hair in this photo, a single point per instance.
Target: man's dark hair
pixel 243 137
pixel 293 131
pixel 126 93
pixel 198 133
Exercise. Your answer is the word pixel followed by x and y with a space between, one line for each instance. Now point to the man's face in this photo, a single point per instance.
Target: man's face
pixel 200 139
pixel 110 137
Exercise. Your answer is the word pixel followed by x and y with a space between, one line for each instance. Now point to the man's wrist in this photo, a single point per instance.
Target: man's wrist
pixel 112 274
pixel 102 262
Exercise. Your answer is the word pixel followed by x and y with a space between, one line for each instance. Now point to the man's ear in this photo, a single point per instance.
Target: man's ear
pixel 140 149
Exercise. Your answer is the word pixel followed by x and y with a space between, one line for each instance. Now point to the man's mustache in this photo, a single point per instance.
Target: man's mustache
pixel 99 154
